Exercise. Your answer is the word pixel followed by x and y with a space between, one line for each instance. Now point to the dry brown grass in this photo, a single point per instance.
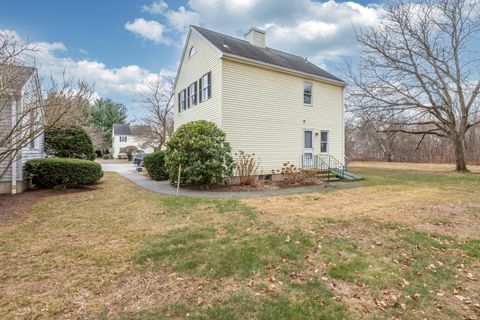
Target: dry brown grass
pixel 74 255
pixel 443 207
pixel 427 167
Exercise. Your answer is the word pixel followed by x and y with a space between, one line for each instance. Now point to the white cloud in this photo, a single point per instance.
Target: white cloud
pixel 156 7
pixel 150 30
pixel 127 80
pixel 321 31
pixel 181 18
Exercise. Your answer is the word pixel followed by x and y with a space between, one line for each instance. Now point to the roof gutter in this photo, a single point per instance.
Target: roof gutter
pixel 234 57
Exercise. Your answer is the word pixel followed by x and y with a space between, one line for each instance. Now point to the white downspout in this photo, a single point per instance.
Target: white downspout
pixel 14 143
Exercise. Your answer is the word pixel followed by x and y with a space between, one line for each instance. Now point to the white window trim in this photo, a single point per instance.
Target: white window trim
pixel 328 141
pixel 304 163
pixel 204 88
pixel 311 94
pixel 190 100
pixel 192 52
pixel 313 139
pixel 183 102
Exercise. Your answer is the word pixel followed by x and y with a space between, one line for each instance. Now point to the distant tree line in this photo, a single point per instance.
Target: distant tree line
pixel 414 94
pixel 366 140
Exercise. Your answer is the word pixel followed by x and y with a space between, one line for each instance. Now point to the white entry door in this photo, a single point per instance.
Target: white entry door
pixel 308 149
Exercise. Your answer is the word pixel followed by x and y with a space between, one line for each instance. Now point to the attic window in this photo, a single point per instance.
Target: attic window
pixel 193 50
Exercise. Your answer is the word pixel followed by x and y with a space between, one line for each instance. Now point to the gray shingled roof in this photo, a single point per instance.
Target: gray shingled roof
pixel 128 130
pixel 123 129
pixel 242 48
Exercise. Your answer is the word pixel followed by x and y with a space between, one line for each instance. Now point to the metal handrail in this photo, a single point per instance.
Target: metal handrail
pixel 324 162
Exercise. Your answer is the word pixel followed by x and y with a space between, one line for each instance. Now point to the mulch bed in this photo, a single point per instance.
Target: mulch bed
pixel 259 186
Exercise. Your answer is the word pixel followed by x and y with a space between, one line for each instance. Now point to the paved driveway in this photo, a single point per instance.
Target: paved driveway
pixel 128 171
pixel 117 167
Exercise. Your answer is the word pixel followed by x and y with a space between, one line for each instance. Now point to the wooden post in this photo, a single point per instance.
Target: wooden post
pixel 178 179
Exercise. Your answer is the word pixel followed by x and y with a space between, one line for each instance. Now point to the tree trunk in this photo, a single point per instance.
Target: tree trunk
pixel 389 157
pixel 459 148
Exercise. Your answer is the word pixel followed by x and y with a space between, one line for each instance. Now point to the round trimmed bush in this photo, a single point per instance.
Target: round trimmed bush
pixel 200 147
pixel 69 142
pixel 64 173
pixel 155 165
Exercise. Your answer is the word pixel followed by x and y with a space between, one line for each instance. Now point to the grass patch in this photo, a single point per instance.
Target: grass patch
pixel 403 177
pixel 309 301
pixel 472 248
pixel 349 262
pixel 230 252
pixel 424 239
pixel 117 251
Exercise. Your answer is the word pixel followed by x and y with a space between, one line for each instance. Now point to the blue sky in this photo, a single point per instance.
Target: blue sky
pixel 120 45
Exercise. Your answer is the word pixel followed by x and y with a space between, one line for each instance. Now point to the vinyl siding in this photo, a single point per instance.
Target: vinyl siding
pixel 131 141
pixel 30 93
pixel 35 151
pixel 5 127
pixel 192 69
pixel 263 113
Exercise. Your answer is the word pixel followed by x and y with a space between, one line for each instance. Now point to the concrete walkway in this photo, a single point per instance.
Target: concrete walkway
pixel 164 187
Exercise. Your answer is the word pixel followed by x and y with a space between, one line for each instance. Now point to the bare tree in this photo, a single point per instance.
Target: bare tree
pixel 158 102
pixel 23 111
pixel 421 62
pixel 63 107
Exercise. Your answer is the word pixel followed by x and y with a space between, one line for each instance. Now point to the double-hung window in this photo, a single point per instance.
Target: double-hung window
pixel 307 93
pixel 123 139
pixel 324 141
pixel 192 94
pixel 182 106
pixel 205 84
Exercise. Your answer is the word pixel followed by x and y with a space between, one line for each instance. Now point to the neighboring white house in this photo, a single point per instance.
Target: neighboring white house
pixel 125 136
pixel 274 104
pixel 20 98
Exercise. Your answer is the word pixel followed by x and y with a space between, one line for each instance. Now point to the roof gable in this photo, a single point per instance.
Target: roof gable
pixel 234 46
pixel 186 47
pixel 15 77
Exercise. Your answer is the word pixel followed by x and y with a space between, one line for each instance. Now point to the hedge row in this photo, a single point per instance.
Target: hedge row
pixel 155 165
pixel 64 173
pixel 69 142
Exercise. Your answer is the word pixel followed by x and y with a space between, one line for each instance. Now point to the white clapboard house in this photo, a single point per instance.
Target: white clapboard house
pixel 277 105
pixel 20 113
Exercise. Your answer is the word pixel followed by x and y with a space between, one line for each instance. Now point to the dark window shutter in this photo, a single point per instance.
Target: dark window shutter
pixel 200 90
pixel 209 85
pixel 195 90
pixel 188 96
pixel 179 103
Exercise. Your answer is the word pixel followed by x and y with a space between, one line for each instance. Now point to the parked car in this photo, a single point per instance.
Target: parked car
pixel 138 159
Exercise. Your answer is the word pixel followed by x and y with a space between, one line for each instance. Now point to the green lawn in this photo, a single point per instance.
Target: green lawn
pixel 407 245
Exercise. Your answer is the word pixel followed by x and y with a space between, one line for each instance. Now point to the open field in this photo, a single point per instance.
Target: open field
pixel 405 246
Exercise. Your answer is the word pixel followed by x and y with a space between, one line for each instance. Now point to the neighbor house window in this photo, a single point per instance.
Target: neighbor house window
pixel 181 101
pixel 307 93
pixel 205 84
pixel 123 139
pixel 324 141
pixel 193 50
pixel 192 94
